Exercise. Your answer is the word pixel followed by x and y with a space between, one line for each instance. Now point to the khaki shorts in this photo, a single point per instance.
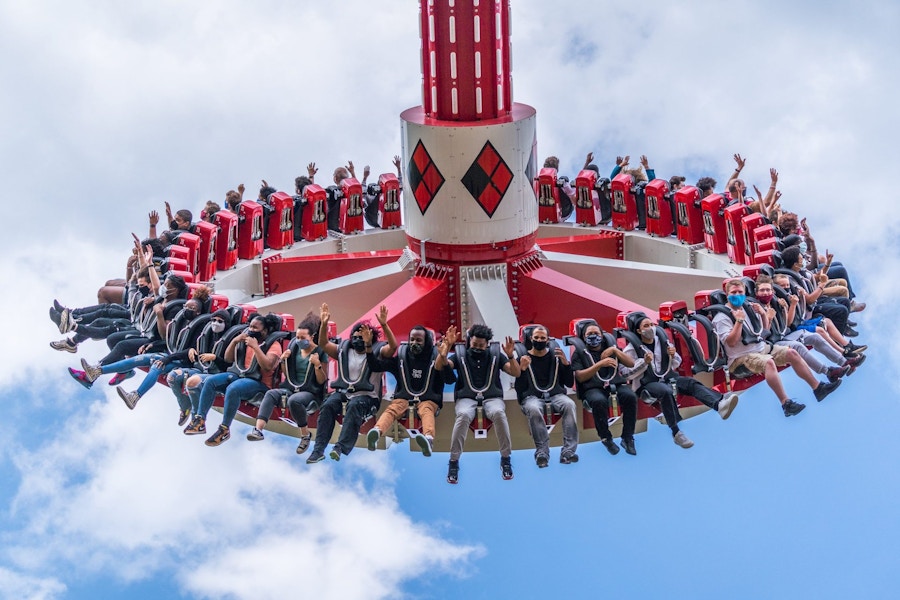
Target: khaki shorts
pixel 755 362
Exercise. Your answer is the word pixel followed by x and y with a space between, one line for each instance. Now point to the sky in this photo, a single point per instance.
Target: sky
pixel 109 109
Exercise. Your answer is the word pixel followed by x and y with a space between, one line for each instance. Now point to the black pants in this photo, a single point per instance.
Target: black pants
pixel 299 403
pixel 691 387
pixel 599 401
pixel 836 309
pixel 101 328
pixel 662 393
pixel 358 409
pixel 125 349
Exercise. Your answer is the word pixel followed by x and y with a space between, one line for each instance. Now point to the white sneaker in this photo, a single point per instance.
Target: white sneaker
pixel 682 440
pixel 726 405
pixel 424 444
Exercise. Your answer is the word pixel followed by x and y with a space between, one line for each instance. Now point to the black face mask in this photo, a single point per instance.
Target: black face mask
pixel 144 290
pixel 256 335
pixel 539 345
pixel 358 344
pixel 173 225
pixel 415 348
pixel 189 314
pixel 476 352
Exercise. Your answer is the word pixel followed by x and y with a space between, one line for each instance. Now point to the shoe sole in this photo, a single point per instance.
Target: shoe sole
pixel 253 438
pixel 65 348
pixel 195 431
pixel 219 441
pixel 687 444
pixel 303 447
pixel 838 382
pixel 422 442
pixel 505 478
pixel 372 439
pixel 182 419
pixel 730 409
pixel 312 461
pixel 335 455
pixel 84 383
pixel 791 414
pixel 125 398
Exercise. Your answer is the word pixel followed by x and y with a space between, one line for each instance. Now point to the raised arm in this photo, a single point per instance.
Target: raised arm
pixel 740 162
pixel 327 345
pixel 391 346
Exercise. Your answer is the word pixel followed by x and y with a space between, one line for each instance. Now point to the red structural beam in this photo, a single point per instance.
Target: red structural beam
pixel 548 297
pixel 600 246
pixel 288 274
pixel 419 301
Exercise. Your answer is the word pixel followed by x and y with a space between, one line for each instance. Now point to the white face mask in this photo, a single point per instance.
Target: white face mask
pixel 647 334
pixel 163 290
pixel 217 327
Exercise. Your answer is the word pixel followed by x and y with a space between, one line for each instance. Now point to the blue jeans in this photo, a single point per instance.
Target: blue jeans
pixel 533 408
pixel 176 379
pixel 236 389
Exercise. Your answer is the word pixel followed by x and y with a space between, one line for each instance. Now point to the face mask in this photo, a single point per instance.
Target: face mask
pixel 144 290
pixel 163 290
pixel 764 298
pixel 647 334
pixel 358 344
pixel 415 348
pixel 303 344
pixel 803 247
pixel 217 326
pixel 256 335
pixel 737 299
pixel 539 345
pixel 593 339
pixel 189 314
pixel 476 352
pixel 173 225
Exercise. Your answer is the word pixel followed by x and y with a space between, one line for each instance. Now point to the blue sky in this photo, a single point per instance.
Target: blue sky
pixel 111 110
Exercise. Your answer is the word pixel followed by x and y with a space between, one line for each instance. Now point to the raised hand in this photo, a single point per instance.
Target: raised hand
pixel 774 175
pixel 366 332
pixel 324 315
pixel 311 170
pixel 383 314
pixel 644 162
pixel 154 218
pixel 740 162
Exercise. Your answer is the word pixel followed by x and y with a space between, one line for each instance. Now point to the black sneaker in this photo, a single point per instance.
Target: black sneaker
pixel 183 416
pixel 54 316
pixel 851 349
pixel 568 459
pixel 57 306
pixel 542 462
pixel 335 453
pixel 506 468
pixel 453 472
pixel 824 388
pixel 610 446
pixel 315 457
pixel 221 435
pixel 304 443
pixel 850 332
pixel 628 445
pixel 792 408
pixel 255 435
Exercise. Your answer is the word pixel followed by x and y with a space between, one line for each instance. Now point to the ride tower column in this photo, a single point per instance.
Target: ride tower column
pixel 470 153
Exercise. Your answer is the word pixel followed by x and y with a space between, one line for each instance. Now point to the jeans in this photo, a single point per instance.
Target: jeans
pixel 142 360
pixel 236 389
pixel 533 408
pixel 494 409
pixel 599 402
pixel 299 403
pixel 176 379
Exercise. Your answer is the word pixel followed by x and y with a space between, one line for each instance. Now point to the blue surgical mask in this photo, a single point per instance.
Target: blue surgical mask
pixel 303 344
pixel 737 299
pixel 803 247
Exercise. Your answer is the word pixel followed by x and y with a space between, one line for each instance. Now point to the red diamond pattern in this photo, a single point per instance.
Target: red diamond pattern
pixel 488 179
pixel 424 177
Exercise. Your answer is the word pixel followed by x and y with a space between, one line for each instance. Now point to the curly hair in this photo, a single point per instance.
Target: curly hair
pixel 376 332
pixel 311 322
pixel 480 330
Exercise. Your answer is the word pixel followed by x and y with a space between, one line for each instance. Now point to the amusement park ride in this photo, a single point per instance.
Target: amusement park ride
pixel 482 239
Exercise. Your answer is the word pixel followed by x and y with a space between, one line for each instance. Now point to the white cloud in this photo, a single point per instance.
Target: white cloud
pixel 126 494
pixel 15 586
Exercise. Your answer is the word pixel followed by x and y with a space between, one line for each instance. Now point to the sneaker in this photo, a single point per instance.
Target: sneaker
pixel 726 405
pixel 372 438
pixel 221 435
pixel 824 388
pixel 850 349
pixel 91 372
pixel 65 345
pixel 315 457
pixel 542 462
pixel 506 468
pixel 853 362
pixel 120 377
pixel 130 398
pixel 304 443
pixel 682 440
pixel 857 306
pixel 55 316
pixel 610 446
pixel 335 454
pixel 255 435
pixel 852 323
pixel 792 408
pixel 57 306
pixel 835 373
pixel 66 321
pixel 628 445
pixel 196 426
pixel 424 444
pixel 850 332
pixel 183 416
pixel 453 472
pixel 568 459
pixel 79 377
